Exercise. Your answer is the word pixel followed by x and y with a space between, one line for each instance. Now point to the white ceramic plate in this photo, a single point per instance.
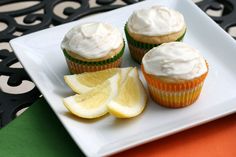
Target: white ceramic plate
pixel 43 59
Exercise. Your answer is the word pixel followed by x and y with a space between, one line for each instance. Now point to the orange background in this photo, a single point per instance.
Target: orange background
pixel 214 139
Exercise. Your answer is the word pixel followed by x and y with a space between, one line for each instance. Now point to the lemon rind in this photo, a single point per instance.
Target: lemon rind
pixel 77 87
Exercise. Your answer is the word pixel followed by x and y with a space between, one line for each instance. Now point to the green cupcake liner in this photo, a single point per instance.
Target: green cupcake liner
pixel 141 44
pixel 95 63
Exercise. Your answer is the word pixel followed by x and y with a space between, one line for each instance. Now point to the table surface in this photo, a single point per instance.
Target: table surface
pixel 17 18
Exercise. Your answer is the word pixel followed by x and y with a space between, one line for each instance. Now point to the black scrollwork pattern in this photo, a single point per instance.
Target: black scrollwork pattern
pixel 40 15
pixel 227 17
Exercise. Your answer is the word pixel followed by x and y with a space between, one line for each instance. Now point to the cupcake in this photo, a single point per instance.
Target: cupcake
pixel 148 28
pixel 175 73
pixel 93 47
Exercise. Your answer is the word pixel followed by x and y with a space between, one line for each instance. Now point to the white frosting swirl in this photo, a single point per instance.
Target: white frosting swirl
pixel 92 40
pixel 156 21
pixel 175 60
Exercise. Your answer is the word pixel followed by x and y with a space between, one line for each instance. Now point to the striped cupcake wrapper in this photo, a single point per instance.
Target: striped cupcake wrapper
pixel 139 49
pixel 174 95
pixel 78 66
pixel 175 99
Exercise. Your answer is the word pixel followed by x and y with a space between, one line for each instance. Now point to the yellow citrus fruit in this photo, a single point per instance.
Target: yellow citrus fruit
pixel 131 98
pixel 93 104
pixel 82 83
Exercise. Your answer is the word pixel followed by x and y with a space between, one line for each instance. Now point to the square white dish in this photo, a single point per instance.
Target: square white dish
pixel 41 56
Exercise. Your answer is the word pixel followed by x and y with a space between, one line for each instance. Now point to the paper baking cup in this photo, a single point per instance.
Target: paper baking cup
pixel 174 95
pixel 137 53
pixel 139 49
pixel 77 66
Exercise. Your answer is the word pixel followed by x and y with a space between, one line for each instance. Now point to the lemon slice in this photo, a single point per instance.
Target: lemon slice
pixel 93 104
pixel 82 83
pixel 131 99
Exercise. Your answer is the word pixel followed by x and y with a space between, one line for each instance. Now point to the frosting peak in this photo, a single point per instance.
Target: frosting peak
pixel 92 40
pixel 175 60
pixel 156 21
pixel 94 29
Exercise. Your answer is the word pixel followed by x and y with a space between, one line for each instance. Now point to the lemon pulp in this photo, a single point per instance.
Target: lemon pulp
pixel 82 83
pixel 93 104
pixel 131 99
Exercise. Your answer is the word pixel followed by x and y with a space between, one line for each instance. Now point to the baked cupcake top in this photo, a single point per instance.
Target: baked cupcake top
pixel 156 21
pixel 92 40
pixel 174 60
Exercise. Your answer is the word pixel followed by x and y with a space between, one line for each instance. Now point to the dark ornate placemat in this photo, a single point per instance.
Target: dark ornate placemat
pixel 42 15
pixel 227 17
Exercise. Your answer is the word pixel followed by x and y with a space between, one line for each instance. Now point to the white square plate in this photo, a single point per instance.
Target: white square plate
pixel 43 59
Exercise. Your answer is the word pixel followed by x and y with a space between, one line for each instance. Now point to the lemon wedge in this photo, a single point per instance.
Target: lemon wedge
pixel 82 83
pixel 93 104
pixel 131 98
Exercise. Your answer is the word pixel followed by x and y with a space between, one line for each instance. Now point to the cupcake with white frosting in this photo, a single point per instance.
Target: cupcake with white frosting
pixel 175 73
pixel 93 47
pixel 148 28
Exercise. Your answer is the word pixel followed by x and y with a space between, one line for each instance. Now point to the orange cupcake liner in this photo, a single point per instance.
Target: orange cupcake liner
pixel 76 68
pixel 175 99
pixel 172 94
pixel 173 86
